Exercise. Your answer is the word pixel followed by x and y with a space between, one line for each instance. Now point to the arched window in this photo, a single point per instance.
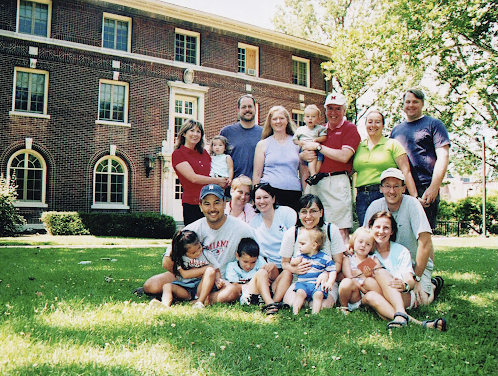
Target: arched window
pixel 110 188
pixel 28 170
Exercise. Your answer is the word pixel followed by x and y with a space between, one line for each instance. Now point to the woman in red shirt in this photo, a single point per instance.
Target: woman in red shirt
pixel 192 164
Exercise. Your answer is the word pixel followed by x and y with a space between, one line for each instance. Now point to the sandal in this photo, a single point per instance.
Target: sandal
pixel 438 282
pixel 436 322
pixel 271 308
pixel 398 324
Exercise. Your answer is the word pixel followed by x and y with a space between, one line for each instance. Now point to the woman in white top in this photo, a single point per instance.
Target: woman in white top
pixel 310 212
pixel 396 280
pixel 269 225
pixel 276 158
pixel 240 192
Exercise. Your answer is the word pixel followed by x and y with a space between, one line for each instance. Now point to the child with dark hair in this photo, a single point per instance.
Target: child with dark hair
pixel 197 272
pixel 252 272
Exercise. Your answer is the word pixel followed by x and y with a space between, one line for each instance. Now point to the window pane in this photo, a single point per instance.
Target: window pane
pixel 122 35
pixel 28 177
pixel 25 17
pixel 179 47
pixel 191 49
pixel 109 26
pixel 41 19
pixel 22 91
pixel 110 182
pixel 37 92
pixel 118 103
pixel 33 18
pixel 242 60
pixel 101 188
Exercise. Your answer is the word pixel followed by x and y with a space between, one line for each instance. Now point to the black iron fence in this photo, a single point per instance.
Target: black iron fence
pixel 453 228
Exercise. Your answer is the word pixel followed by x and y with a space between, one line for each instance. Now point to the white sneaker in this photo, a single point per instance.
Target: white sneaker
pixel 198 305
pixel 156 304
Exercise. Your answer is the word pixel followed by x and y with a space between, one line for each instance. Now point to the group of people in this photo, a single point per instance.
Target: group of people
pixel 268 243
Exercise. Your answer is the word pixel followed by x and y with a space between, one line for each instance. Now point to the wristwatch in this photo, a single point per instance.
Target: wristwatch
pixel 319 148
pixel 416 277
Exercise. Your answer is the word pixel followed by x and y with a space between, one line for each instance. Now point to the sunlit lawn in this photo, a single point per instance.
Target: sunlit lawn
pixel 60 317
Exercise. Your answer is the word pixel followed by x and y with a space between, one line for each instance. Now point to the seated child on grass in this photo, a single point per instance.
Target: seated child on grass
pixel 309 286
pixel 358 282
pixel 197 272
pixel 253 273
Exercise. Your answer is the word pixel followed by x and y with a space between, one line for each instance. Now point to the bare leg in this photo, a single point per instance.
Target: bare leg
pixel 170 291
pixel 290 295
pixel 281 284
pixel 370 284
pixel 206 285
pixel 298 301
pixel 227 294
pixel 154 285
pixel 317 302
pixel 348 292
pixel 260 284
pixel 393 296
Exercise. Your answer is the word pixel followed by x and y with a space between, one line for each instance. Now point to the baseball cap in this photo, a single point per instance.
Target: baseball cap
pixel 392 173
pixel 212 189
pixel 335 98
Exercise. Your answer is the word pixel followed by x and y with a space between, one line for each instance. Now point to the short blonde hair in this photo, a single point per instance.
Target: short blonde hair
pixel 240 181
pixel 313 107
pixel 316 235
pixel 362 230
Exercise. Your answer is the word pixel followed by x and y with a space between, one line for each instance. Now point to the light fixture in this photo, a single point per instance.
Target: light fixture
pixel 149 164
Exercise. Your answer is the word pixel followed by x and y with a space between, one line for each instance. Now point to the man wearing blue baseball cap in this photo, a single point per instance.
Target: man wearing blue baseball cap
pixel 220 234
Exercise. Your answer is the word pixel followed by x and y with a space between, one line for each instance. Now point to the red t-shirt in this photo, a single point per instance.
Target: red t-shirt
pixel 345 135
pixel 200 163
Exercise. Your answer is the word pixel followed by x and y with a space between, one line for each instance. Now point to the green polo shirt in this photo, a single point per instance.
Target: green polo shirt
pixel 369 164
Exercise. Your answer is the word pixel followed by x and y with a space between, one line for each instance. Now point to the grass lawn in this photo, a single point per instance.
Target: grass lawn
pixel 61 317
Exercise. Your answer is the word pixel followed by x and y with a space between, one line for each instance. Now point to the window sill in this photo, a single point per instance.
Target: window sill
pixel 29 114
pixel 29 204
pixel 106 122
pixel 110 206
pixel 247 75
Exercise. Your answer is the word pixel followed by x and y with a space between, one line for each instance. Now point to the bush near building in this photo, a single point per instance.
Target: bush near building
pixel 11 222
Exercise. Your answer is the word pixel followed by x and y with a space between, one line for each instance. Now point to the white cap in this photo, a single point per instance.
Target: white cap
pixel 392 173
pixel 335 98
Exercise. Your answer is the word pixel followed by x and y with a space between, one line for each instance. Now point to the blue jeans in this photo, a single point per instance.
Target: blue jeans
pixel 363 200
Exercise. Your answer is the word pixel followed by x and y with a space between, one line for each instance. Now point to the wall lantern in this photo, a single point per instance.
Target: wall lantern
pixel 149 164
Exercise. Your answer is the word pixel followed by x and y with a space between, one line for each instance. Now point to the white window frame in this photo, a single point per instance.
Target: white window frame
pixel 117 18
pixel 307 62
pixel 253 48
pixel 299 113
pixel 125 122
pixel 16 112
pixel 197 44
pixel 49 16
pixel 99 205
pixel 31 204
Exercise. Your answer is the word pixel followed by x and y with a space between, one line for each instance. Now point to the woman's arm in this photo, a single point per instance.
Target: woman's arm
pixel 346 268
pixel 186 170
pixel 404 166
pixel 259 161
pixel 230 169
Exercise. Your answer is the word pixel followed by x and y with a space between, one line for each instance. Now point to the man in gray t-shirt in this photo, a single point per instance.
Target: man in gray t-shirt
pixel 414 230
pixel 219 235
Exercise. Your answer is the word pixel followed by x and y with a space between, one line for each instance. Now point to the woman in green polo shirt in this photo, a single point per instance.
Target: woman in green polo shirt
pixel 374 155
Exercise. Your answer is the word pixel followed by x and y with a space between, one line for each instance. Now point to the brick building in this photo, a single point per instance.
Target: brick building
pixel 91 93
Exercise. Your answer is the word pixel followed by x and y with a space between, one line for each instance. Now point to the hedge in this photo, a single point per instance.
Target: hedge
pixel 133 225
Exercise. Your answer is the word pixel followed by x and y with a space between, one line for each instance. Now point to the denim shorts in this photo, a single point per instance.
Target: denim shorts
pixel 310 289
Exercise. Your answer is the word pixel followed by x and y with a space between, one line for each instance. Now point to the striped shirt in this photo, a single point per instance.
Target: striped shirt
pixel 321 262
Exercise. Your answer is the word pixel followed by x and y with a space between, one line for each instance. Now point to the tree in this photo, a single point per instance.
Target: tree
pixel 10 221
pixel 381 48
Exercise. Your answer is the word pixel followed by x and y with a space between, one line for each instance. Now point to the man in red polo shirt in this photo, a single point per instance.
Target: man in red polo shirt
pixel 333 187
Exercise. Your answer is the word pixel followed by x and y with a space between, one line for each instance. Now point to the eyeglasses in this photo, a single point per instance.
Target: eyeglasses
pixel 261 185
pixel 389 187
pixel 308 211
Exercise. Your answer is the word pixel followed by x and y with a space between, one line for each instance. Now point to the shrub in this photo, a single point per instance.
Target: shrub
pixel 133 225
pixel 11 222
pixel 64 223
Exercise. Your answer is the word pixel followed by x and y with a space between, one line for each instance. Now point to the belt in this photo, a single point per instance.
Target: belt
pixel 325 174
pixel 368 188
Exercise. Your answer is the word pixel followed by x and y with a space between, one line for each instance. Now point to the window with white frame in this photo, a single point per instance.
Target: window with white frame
pixel 300 71
pixel 178 189
pixel 248 59
pixel 185 109
pixel 116 32
pixel 298 117
pixel 34 17
pixel 28 170
pixel 113 102
pixel 30 91
pixel 110 188
pixel 187 46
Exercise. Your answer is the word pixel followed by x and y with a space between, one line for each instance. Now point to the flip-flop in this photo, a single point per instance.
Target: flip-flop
pixel 271 308
pixel 398 324
pixel 437 281
pixel 436 322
